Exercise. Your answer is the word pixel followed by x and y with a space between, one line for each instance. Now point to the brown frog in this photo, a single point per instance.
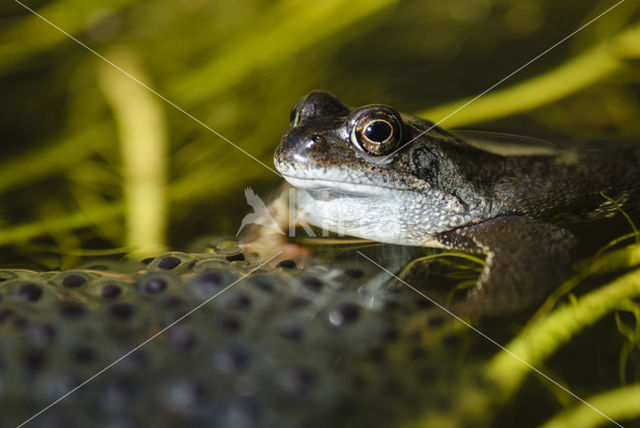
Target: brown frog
pixel 374 173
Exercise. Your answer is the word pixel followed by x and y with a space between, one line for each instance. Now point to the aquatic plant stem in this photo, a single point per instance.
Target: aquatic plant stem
pixel 620 404
pixel 578 73
pixel 143 147
pixel 77 219
pixel 276 40
pixel 627 257
pixel 189 187
pixel 28 36
pixel 540 340
pixel 54 157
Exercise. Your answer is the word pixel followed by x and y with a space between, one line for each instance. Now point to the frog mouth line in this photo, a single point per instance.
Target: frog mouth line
pixel 350 187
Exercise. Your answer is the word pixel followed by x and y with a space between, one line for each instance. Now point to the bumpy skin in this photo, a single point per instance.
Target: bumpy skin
pixel 437 190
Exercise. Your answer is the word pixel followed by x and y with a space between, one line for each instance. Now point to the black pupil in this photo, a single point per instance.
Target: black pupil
pixel 378 131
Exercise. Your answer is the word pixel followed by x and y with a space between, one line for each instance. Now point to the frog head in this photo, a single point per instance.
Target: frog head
pixel 373 172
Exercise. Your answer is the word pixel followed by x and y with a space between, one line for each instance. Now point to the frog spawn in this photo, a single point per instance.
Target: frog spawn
pixel 283 347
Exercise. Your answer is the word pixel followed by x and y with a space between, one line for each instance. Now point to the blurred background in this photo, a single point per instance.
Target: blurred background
pixel 93 161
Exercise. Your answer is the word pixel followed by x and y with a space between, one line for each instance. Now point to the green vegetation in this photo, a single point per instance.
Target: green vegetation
pixel 93 161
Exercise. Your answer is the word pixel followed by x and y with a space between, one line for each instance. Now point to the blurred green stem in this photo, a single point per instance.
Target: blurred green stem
pixel 596 63
pixel 189 187
pixel 540 340
pixel 275 40
pixel 508 369
pixel 143 145
pixel 78 219
pixel 619 404
pixel 31 35
pixel 627 257
pixel 53 157
pixel 576 74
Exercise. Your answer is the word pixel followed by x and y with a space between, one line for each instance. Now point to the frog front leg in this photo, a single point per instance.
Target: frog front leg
pixel 524 260
pixel 266 231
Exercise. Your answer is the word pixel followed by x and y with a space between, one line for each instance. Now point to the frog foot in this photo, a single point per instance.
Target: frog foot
pixel 525 259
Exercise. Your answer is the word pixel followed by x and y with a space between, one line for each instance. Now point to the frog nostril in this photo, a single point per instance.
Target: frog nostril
pixel 312 141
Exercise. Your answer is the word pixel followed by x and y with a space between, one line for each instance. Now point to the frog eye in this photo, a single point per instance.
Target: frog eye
pixel 377 130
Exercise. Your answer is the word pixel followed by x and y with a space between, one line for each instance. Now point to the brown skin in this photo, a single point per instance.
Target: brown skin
pixel 431 188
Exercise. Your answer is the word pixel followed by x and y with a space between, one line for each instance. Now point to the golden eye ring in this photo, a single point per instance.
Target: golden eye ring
pixel 377 131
